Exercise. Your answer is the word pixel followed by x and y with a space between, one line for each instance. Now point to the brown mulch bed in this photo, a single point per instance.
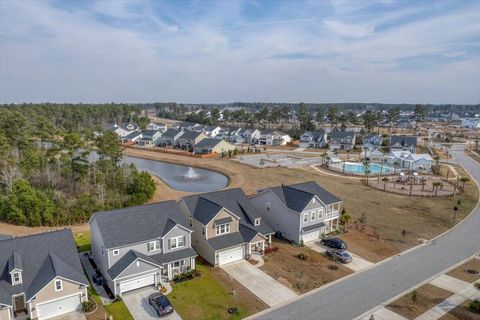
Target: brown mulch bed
pixel 428 296
pixel 99 314
pixel 462 274
pixel 461 312
pixel 301 275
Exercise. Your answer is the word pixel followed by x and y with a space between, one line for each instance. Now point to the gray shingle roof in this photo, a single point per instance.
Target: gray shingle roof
pixel 15 262
pixel 174 255
pixel 405 141
pixel 5 237
pixel 126 261
pixel 340 135
pixel 149 132
pixel 297 196
pixel 226 241
pixel 171 133
pixel 137 224
pixel 190 135
pixel 313 227
pixel 133 135
pixel 223 221
pixel 44 256
pixel 208 143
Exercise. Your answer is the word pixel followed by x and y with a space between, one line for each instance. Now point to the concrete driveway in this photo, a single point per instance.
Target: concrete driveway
pixel 259 283
pixel 357 264
pixel 138 305
pixel 75 315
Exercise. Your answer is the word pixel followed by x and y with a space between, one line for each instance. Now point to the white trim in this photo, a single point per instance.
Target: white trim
pixel 135 275
pixel 115 254
pixel 148 262
pixel 154 245
pixel 218 228
pixel 176 242
pixel 20 278
pixel 177 225
pixel 58 281
pixel 223 208
pixel 57 299
pixel 18 295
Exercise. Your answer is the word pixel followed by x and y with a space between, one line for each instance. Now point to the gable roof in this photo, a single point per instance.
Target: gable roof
pixel 42 257
pixel 404 141
pixel 204 207
pixel 209 143
pixel 191 134
pixel 138 224
pixel 171 133
pixel 298 196
pixel 127 260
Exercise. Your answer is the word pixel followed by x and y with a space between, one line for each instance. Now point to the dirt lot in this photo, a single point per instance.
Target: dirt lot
pixel 462 274
pixel 367 246
pixel 387 214
pixel 428 296
pixel 301 275
pixel 461 313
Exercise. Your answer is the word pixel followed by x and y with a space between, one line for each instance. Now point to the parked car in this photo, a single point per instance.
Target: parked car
pixel 161 304
pixel 334 243
pixel 338 255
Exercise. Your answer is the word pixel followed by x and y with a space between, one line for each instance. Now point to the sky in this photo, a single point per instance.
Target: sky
pixel 382 51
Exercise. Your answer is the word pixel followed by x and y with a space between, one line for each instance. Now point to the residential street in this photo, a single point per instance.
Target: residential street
pixel 353 296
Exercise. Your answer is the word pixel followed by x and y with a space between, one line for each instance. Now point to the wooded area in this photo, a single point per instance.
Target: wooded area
pixel 47 175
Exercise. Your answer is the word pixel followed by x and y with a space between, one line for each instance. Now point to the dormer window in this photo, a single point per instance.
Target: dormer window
pixel 16 277
pixel 257 221
pixel 153 245
pixel 116 252
pixel 223 229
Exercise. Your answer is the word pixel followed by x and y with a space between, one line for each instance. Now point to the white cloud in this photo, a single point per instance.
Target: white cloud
pixel 349 30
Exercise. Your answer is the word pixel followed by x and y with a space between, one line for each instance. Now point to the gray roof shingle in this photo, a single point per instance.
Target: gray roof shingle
pixel 226 241
pixel 313 227
pixel 404 141
pixel 126 261
pixel 137 224
pixel 43 256
pixel 208 143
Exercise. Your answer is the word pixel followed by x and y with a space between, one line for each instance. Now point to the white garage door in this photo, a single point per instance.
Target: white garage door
pixel 311 236
pixel 228 256
pixel 58 307
pixel 136 283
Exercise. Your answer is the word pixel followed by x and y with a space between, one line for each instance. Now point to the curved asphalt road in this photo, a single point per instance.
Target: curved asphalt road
pixel 353 296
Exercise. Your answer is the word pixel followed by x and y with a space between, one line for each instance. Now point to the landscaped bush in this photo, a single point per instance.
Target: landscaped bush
pixel 186 276
pixel 303 256
pixel 477 285
pixel 270 250
pixel 87 306
pixel 474 306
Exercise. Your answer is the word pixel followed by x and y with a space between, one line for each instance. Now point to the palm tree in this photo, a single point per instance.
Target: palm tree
pixel 385 180
pixel 366 164
pixel 345 219
pixel 463 180
pixel 324 156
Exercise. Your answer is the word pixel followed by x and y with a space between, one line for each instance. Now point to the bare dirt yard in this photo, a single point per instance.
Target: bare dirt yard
pixel 462 272
pixel 301 275
pixel 427 297
pixel 397 221
pixel 461 312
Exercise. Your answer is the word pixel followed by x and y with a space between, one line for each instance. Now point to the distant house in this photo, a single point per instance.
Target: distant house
pixel 342 140
pixel 226 227
pixel 405 124
pixel 170 137
pixel 189 139
pixel 210 131
pixel 272 137
pixel 246 135
pixel 403 143
pixel 372 141
pixel 227 133
pixel 150 138
pixel 313 139
pixel 186 126
pixel 124 129
pixel 409 161
pixel 41 277
pixel 157 126
pixel 212 145
pixel 132 137
pixel 300 212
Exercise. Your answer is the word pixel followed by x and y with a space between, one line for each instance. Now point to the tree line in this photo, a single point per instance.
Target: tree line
pixel 47 174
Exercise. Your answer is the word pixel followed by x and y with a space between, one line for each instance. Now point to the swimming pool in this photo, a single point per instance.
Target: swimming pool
pixel 375 168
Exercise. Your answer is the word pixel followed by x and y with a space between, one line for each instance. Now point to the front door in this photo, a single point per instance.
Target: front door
pixel 19 303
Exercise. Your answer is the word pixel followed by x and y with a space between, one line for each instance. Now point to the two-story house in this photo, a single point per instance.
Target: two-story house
pixel 342 140
pixel 300 212
pixel 226 226
pixel 212 145
pixel 210 131
pixel 313 139
pixel 228 134
pixel 170 137
pixel 372 142
pixel 124 129
pixel 150 138
pixel 41 276
pixel 189 139
pixel 271 137
pixel 141 246
pixel 403 143
pixel 157 126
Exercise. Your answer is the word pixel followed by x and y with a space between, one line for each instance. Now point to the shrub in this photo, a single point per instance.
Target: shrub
pixel 477 285
pixel 474 306
pixel 185 276
pixel 87 306
pixel 303 256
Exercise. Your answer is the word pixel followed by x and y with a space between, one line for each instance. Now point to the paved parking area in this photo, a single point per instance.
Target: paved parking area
pixel 259 283
pixel 138 305
pixel 357 264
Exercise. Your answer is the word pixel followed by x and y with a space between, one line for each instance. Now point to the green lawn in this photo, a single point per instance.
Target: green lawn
pixel 119 311
pixel 82 240
pixel 204 298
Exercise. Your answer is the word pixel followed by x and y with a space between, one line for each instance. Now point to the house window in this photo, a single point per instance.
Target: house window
pixel 153 245
pixel 58 285
pixel 268 206
pixel 177 242
pixel 257 221
pixel 320 214
pixel 116 252
pixel 103 250
pixel 222 229
pixel 313 200
pixel 16 278
pixel 313 215
pixel 305 217
pixel 203 230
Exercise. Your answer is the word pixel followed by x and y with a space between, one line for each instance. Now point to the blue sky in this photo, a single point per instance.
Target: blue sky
pixel 224 51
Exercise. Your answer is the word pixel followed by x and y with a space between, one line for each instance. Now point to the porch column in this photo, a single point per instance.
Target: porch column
pixel 169 272
pixel 269 240
pixel 337 224
pixel 192 263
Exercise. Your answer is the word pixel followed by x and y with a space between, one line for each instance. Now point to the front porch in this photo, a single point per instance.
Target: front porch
pixel 172 269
